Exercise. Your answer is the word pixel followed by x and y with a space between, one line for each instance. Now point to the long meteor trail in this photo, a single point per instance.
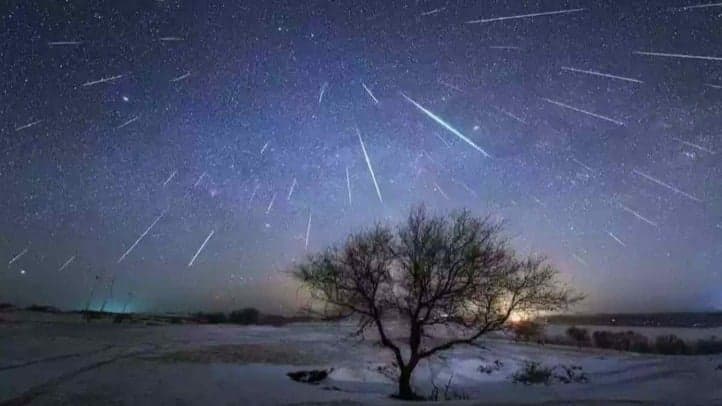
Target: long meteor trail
pixel 589 113
pixel 125 254
pixel 682 56
pixel 693 145
pixel 696 6
pixel 99 81
pixel 190 264
pixel 368 163
pixel 64 43
pixel 291 189
pixel 28 125
pixel 445 125
pixel 545 13
pixel 132 120
pixel 666 185
pixel 639 216
pixel 615 238
pixel 16 257
pixel 65 265
pixel 348 187
pixel 376 101
pixel 308 229
pixel 172 175
pixel 605 75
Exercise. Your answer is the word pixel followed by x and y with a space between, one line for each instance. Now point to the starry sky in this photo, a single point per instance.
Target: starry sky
pixel 181 155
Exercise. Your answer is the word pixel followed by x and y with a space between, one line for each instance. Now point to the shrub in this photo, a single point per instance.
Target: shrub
pixel 579 335
pixel 212 318
pixel 526 330
pixel 248 315
pixel 670 345
pixel 708 346
pixel 621 341
pixel 570 374
pixel 532 373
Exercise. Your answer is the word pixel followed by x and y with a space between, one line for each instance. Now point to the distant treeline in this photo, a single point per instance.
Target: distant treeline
pixel 690 319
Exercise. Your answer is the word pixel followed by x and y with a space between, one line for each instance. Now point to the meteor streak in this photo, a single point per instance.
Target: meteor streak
pixel 291 189
pixel 546 13
pixel 64 43
pixel 699 147
pixel 445 125
pixel 616 239
pixel 348 187
pixel 16 257
pixel 376 101
pixel 639 216
pixel 606 75
pixel 308 229
pixel 589 113
pixel 666 185
pixel 190 264
pixel 65 265
pixel 125 254
pixel 169 178
pixel 23 127
pixel 181 77
pixel 99 81
pixel 368 163
pixel 682 56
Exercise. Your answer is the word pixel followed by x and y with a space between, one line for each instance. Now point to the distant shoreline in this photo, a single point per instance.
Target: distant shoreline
pixel 667 319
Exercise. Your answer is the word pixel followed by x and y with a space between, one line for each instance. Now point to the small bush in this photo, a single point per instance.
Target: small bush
pixel 570 374
pixel 526 330
pixel 621 341
pixel 248 315
pixel 670 345
pixel 43 308
pixel 708 346
pixel 579 335
pixel 533 373
pixel 212 318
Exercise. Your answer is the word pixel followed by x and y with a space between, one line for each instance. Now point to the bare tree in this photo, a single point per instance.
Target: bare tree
pixel 432 272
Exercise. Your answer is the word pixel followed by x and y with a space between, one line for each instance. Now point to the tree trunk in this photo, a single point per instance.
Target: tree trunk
pixel 405 391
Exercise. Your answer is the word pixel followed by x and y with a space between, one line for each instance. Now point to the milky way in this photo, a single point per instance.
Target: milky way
pixel 139 136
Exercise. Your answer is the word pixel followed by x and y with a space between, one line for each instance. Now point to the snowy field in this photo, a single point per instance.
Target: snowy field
pixel 60 360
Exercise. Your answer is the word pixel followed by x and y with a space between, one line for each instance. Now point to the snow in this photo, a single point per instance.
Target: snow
pixel 66 361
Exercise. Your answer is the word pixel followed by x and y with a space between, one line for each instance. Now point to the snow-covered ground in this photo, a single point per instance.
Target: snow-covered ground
pixel 59 360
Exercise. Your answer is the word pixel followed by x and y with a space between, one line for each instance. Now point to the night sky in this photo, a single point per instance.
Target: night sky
pixel 187 152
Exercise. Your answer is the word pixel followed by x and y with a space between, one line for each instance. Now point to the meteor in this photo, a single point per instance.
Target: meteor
pixel 589 113
pixel 616 239
pixel 65 265
pixel 25 126
pixel 127 122
pixel 290 191
pixel 172 175
pixel 546 13
pixel 16 257
pixel 308 229
pixel 639 216
pixel 666 185
pixel 181 77
pixel 64 43
pixel 348 187
pixel 125 254
pixel 368 163
pixel 681 56
pixel 606 75
pixel 190 264
pixel 445 125
pixel 376 101
pixel 99 81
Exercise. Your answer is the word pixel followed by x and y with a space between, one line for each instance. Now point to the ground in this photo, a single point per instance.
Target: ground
pixel 60 360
